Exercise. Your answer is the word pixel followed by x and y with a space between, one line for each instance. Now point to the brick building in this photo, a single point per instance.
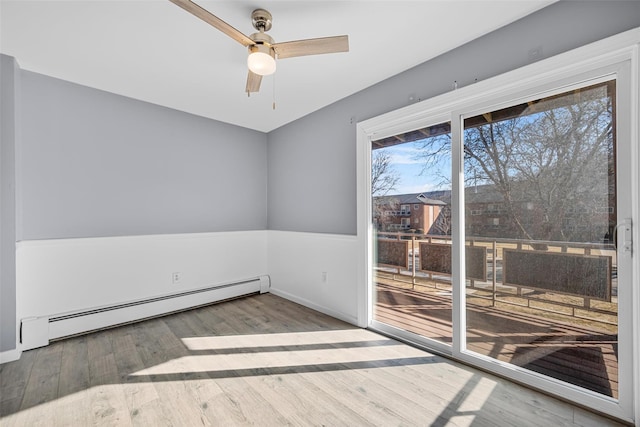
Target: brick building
pixel 488 214
pixel 411 212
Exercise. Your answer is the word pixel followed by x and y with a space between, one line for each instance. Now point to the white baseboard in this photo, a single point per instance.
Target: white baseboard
pixel 39 331
pixel 10 355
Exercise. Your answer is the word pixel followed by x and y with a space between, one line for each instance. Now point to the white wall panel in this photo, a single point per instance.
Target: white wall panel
pixel 297 262
pixel 61 276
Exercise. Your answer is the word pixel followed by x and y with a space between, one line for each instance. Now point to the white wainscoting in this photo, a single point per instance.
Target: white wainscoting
pixel 56 277
pixel 297 261
pixel 66 276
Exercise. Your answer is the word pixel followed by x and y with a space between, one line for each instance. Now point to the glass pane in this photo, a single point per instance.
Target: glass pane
pixel 411 194
pixel 540 212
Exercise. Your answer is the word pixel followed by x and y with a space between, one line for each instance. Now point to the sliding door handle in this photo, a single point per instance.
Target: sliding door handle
pixel 624 229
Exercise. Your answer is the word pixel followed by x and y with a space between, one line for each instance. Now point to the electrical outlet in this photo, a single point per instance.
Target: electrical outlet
pixel 324 277
pixel 176 277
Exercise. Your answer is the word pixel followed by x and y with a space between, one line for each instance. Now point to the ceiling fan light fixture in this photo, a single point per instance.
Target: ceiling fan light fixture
pixel 262 48
pixel 261 60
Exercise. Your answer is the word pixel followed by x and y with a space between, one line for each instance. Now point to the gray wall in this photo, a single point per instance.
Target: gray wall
pixel 98 164
pixel 9 134
pixel 312 176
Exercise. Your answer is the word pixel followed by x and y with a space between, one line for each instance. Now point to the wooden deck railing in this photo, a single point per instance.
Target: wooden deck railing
pixel 569 278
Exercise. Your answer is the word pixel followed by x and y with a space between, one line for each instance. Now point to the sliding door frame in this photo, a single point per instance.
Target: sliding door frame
pixel 615 57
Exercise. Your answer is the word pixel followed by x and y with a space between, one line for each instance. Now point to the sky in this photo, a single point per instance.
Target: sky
pixel 405 160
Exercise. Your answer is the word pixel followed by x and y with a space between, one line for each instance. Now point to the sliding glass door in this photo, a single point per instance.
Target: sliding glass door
pixel 541 211
pixel 499 229
pixel 411 216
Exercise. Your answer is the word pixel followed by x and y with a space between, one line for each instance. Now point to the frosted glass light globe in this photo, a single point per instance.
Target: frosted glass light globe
pixel 261 63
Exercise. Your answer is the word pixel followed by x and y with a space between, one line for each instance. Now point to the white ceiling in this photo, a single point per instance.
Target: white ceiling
pixel 154 51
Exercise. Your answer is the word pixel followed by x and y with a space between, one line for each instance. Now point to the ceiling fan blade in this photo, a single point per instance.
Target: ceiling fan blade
pixel 213 20
pixel 312 46
pixel 253 82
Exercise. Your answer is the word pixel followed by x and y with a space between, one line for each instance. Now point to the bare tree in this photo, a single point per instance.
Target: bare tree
pixel 555 154
pixel 383 177
pixel 383 180
pixel 563 157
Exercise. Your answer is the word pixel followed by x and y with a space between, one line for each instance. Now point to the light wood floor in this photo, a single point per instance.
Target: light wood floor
pixel 263 361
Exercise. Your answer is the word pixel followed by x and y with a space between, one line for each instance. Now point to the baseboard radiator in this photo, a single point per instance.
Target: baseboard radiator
pixel 39 331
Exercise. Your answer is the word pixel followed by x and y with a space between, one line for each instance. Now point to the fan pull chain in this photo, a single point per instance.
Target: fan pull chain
pixel 274 92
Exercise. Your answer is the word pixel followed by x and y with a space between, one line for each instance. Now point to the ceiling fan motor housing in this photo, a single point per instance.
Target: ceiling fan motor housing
pixel 261 19
pixel 262 38
pixel 264 43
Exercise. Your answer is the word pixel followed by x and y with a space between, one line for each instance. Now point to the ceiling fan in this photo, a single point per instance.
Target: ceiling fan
pixel 263 50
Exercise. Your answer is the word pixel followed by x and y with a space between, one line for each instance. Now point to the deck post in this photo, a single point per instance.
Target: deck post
pixel 413 262
pixel 495 273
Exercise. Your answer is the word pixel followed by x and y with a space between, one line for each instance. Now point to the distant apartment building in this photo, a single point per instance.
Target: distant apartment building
pixel 409 212
pixel 489 214
pixel 587 217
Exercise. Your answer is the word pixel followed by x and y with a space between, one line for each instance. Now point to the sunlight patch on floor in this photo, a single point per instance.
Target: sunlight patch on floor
pixel 280 359
pixel 280 339
pixel 478 396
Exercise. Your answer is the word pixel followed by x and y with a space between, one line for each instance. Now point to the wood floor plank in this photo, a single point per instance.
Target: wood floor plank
pixel 73 384
pixel 13 380
pixel 296 399
pixel 142 399
pixel 363 387
pixel 74 369
pixel 71 410
pixel 216 405
pixel 42 386
pixel 106 401
pixel 300 400
pixel 240 393
pixel 157 345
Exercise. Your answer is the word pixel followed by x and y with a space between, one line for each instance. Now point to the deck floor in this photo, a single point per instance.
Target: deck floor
pixel 575 354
